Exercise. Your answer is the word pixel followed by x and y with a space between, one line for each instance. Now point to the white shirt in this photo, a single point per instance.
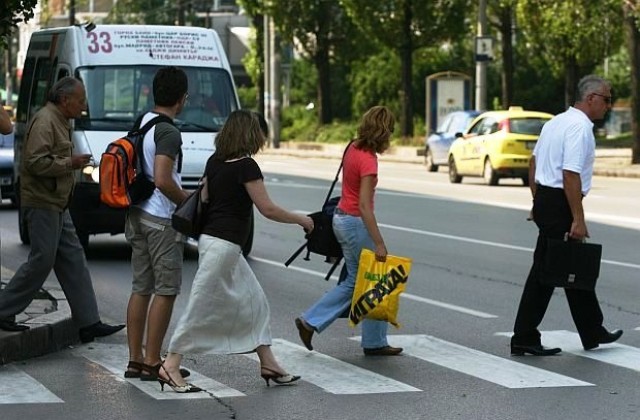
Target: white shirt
pixel 565 143
pixel 158 204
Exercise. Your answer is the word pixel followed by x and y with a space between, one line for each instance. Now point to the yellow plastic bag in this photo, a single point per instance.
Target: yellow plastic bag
pixel 378 286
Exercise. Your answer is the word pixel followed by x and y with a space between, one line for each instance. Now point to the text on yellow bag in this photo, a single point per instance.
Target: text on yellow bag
pixel 376 294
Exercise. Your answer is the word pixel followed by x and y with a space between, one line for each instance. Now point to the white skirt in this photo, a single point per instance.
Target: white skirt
pixel 227 311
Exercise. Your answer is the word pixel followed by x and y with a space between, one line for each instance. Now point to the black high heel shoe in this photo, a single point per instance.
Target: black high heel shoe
pixel 151 373
pixel 182 389
pixel 277 377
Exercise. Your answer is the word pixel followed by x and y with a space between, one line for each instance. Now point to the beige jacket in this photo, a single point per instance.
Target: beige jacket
pixel 46 175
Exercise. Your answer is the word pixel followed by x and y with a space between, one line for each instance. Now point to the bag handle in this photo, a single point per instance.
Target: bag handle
pixel 335 180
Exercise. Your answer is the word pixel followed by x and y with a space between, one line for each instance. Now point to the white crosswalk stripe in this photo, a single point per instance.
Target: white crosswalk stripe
pixel 341 378
pixel 613 354
pixel 13 384
pixel 113 356
pixel 485 366
pixel 333 375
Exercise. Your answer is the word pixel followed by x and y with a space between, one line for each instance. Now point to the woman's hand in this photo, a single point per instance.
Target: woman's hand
pixel 381 252
pixel 307 223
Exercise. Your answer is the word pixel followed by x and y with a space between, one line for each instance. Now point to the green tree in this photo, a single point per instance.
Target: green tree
pixel 405 26
pixel 12 13
pixel 142 12
pixel 631 9
pixel 322 29
pixel 572 35
pixel 501 16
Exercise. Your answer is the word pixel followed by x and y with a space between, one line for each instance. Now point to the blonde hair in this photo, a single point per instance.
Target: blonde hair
pixel 375 129
pixel 240 136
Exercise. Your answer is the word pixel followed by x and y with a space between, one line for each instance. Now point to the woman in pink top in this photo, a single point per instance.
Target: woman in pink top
pixel 355 226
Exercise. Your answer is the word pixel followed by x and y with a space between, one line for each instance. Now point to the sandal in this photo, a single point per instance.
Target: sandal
pixel 134 369
pixel 151 373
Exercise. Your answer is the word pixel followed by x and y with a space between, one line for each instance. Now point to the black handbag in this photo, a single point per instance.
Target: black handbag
pixel 188 216
pixel 321 240
pixel 571 264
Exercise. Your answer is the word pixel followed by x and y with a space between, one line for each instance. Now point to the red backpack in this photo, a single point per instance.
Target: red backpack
pixel 123 181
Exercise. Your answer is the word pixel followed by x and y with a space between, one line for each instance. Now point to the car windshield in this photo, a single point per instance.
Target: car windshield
pixel 531 126
pixel 117 95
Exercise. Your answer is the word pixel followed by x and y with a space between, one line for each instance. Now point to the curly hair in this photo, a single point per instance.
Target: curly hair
pixel 240 136
pixel 375 129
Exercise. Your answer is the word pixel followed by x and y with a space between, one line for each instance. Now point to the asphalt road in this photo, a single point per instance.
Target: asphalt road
pixel 471 250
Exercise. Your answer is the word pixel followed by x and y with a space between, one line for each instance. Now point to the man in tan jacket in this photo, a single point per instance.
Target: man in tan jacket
pixel 47 181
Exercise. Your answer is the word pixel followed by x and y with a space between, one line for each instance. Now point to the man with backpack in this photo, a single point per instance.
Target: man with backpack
pixel 47 181
pixel 156 253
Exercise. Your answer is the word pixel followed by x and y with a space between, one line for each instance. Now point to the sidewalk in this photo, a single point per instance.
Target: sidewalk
pixel 50 317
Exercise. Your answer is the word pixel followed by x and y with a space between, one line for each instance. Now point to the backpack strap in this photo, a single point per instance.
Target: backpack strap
pixel 142 131
pixel 333 184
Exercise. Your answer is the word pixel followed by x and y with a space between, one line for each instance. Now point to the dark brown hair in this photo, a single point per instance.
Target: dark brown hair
pixel 240 136
pixel 375 129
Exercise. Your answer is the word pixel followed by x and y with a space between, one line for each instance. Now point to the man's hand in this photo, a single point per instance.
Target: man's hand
pixel 78 161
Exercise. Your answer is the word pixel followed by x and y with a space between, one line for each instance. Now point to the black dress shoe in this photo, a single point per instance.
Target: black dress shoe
pixel 383 351
pixel 87 334
pixel 10 325
pixel 304 333
pixel 536 350
pixel 605 337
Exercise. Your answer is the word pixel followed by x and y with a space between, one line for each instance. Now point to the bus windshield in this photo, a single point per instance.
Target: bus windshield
pixel 117 95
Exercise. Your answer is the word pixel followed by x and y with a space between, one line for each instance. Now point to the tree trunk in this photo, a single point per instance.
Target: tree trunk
pixel 406 59
pixel 633 44
pixel 570 80
pixel 506 32
pixel 323 66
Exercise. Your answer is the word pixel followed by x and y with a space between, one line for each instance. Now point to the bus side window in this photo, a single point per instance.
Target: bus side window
pixel 25 89
pixel 41 83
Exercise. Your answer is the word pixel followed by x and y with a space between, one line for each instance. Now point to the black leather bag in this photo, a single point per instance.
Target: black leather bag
pixel 571 264
pixel 321 240
pixel 188 217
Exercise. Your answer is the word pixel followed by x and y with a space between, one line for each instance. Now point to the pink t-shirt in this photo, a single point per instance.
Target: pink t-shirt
pixel 357 164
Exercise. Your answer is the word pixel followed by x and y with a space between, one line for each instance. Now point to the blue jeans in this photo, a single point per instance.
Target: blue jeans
pixel 353 236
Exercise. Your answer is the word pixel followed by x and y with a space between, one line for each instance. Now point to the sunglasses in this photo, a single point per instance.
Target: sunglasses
pixel 606 98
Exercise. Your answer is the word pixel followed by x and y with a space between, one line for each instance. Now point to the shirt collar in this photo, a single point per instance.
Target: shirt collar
pixel 579 114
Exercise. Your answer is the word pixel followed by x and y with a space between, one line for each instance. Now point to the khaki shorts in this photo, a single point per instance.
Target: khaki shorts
pixel 156 254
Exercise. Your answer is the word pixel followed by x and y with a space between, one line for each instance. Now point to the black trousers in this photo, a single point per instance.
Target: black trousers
pixel 552 215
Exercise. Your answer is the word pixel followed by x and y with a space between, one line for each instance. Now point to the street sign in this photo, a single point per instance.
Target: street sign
pixel 484 48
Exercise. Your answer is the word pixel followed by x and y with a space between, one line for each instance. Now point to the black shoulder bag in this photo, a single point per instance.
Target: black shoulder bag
pixel 321 240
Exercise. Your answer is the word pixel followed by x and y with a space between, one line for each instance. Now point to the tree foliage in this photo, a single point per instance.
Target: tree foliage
pixel 12 13
pixel 405 26
pixel 324 32
pixel 573 35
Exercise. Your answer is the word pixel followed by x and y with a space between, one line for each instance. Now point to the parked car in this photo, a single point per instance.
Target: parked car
pixel 497 144
pixel 436 147
pixel 7 189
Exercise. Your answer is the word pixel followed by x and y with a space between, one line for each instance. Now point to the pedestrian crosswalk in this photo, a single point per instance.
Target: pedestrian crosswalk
pixel 338 377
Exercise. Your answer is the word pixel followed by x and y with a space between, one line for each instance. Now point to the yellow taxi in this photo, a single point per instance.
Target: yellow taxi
pixel 497 144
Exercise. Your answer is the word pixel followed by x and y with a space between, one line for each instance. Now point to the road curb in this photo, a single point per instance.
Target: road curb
pixel 49 332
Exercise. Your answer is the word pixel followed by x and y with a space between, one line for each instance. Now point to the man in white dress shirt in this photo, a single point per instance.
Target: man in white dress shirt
pixel 562 166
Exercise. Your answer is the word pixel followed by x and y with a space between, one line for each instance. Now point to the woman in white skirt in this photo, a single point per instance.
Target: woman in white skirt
pixel 228 312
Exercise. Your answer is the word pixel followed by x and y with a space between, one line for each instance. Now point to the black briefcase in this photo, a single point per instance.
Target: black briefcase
pixel 571 264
